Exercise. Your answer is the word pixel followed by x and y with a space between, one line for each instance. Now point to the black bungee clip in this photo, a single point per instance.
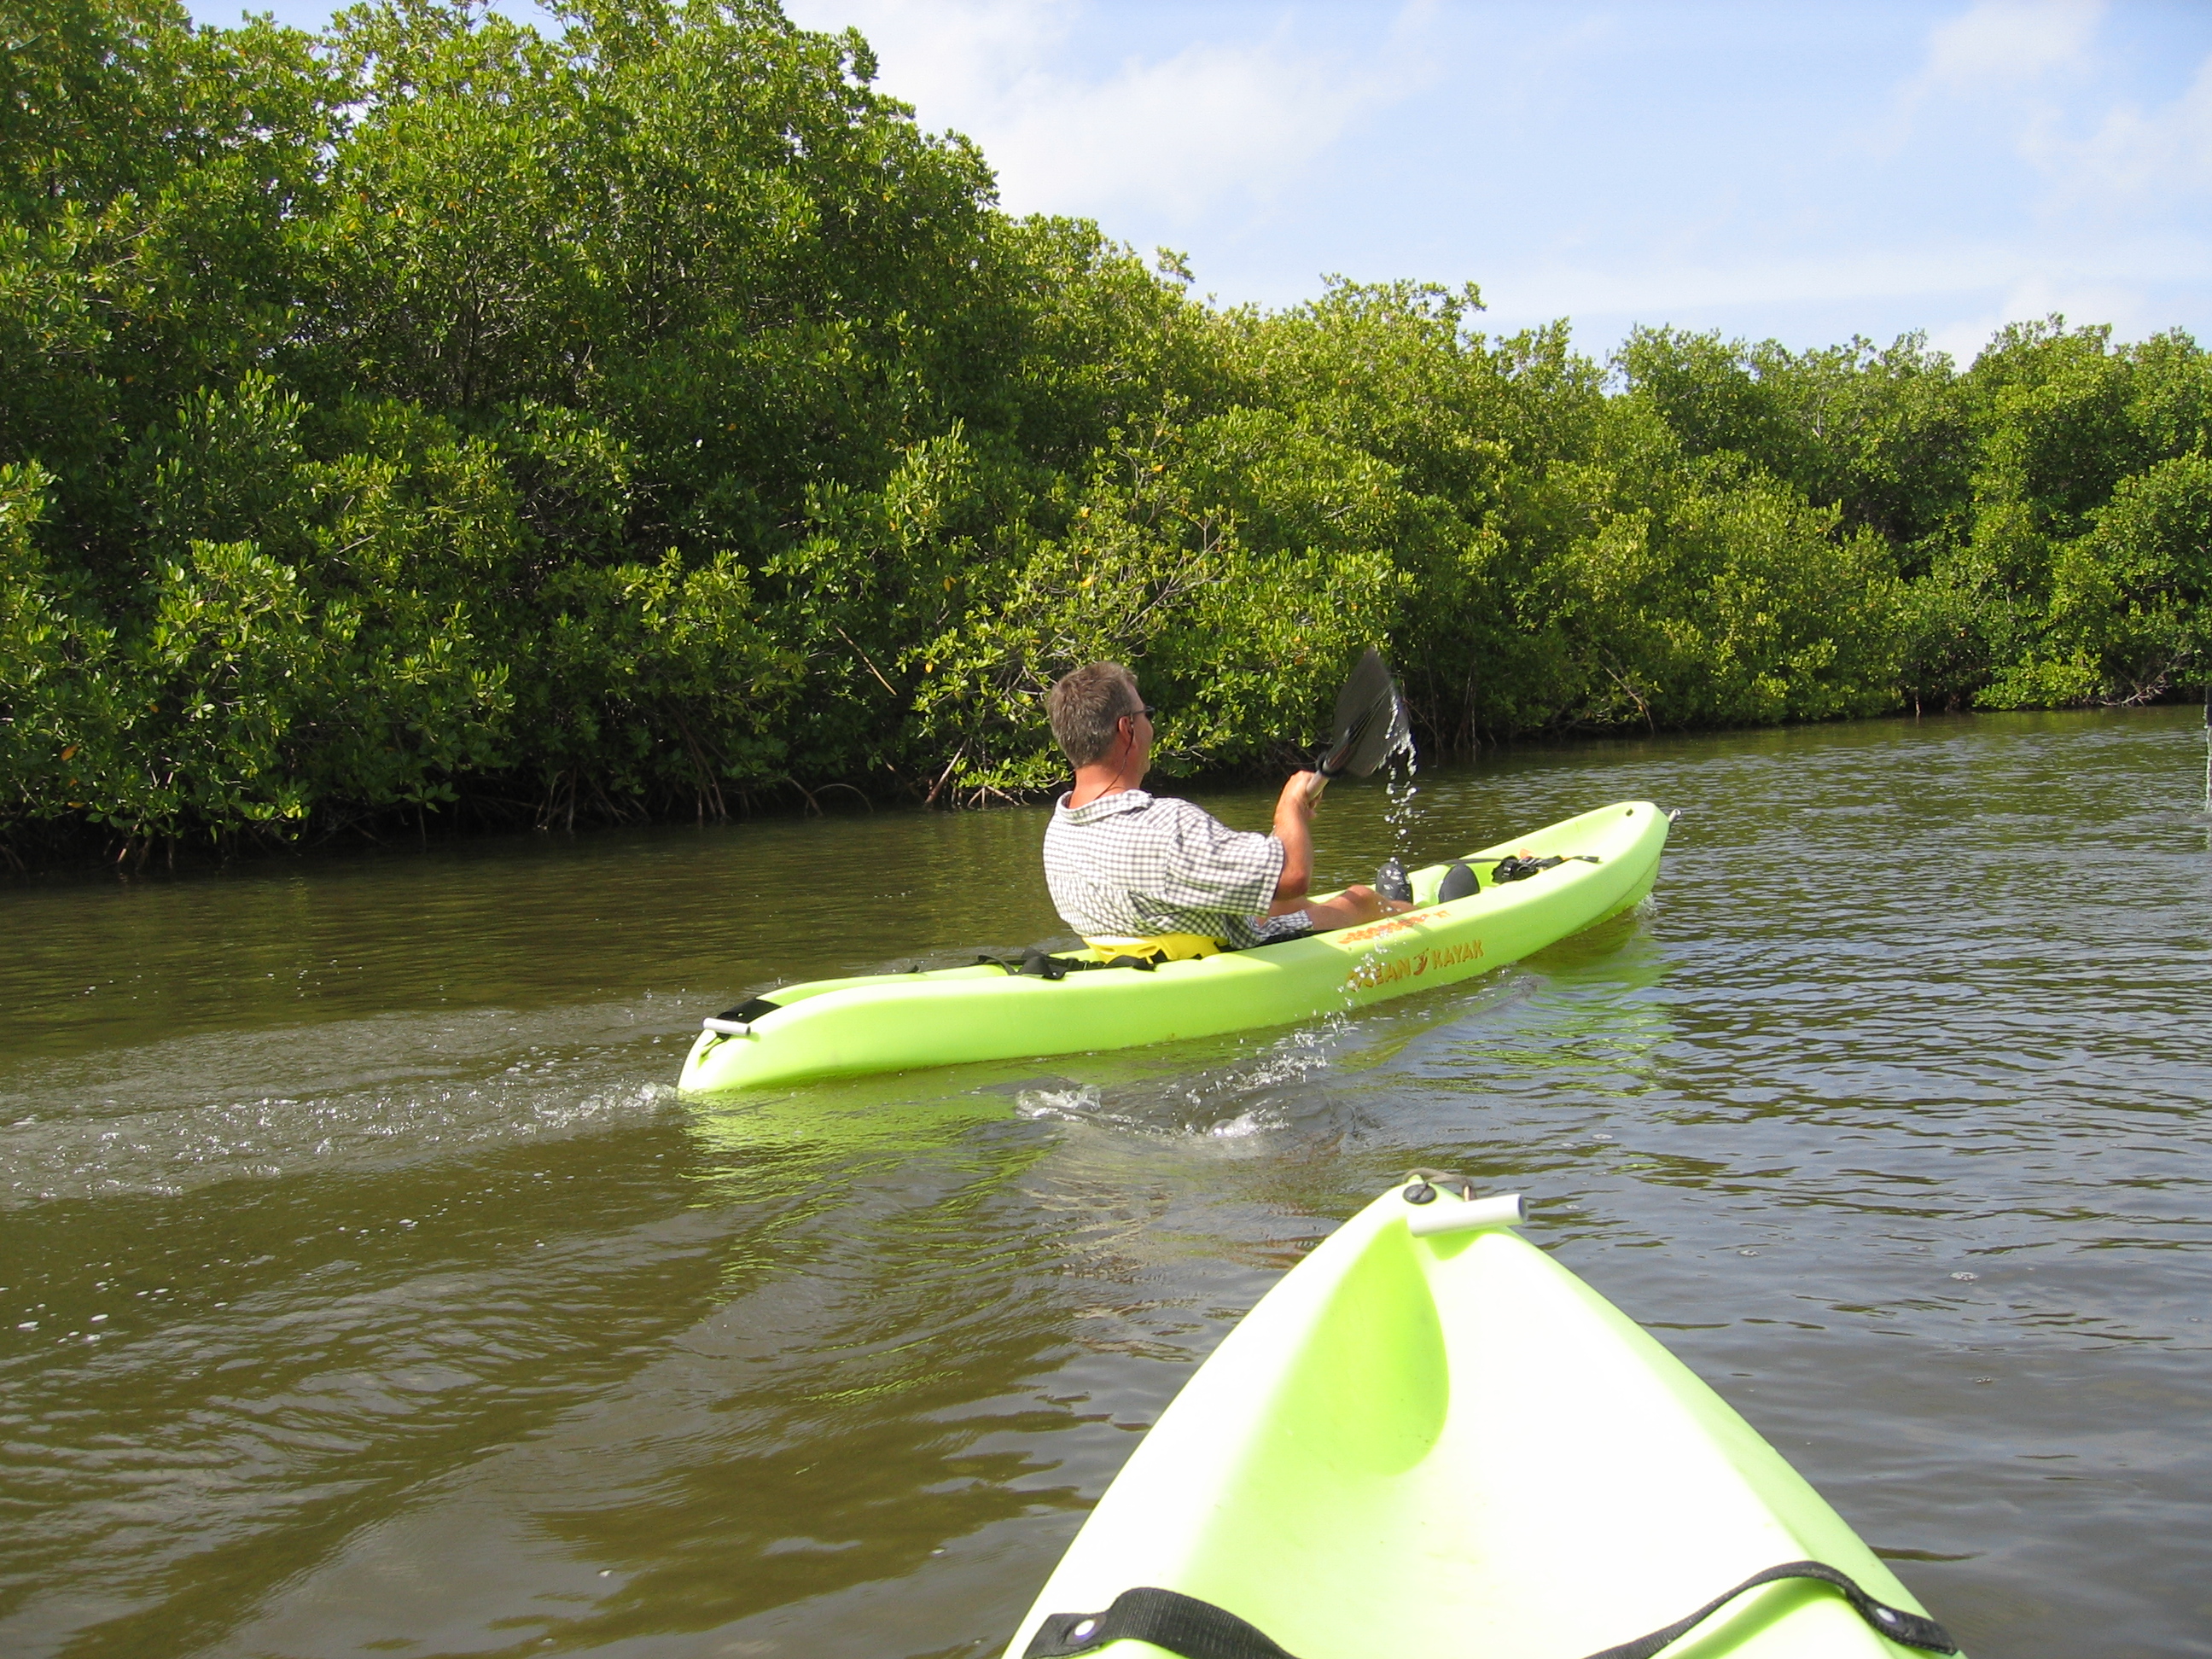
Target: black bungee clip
pixel 1514 867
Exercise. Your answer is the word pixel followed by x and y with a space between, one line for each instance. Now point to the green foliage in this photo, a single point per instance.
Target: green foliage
pixel 1238 643
pixel 51 709
pixel 1882 435
pixel 1956 626
pixel 650 416
pixel 2128 613
pixel 1739 604
pixel 656 677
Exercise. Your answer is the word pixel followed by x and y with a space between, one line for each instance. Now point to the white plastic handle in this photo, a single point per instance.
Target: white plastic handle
pixel 1446 1214
pixel 726 1027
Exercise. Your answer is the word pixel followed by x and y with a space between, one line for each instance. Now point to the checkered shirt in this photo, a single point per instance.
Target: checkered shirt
pixel 1131 865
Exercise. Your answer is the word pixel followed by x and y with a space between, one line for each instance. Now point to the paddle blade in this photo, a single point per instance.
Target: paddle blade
pixel 1370 723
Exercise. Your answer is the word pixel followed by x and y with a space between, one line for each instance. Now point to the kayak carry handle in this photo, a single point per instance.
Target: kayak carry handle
pixel 726 1027
pixel 1467 1216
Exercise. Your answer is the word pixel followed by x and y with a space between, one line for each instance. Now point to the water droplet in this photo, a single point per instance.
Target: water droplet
pixel 1399 769
pixel 1966 1275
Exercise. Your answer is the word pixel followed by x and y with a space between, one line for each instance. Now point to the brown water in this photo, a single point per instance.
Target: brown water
pixel 368 1290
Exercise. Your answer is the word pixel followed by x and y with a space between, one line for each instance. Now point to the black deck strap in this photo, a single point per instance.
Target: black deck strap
pixel 1033 964
pixel 1911 1629
pixel 1198 1630
pixel 1167 1619
pixel 1042 964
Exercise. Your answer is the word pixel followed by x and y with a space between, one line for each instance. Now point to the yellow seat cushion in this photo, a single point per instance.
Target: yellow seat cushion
pixel 1160 947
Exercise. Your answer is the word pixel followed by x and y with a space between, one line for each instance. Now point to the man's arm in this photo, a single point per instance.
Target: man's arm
pixel 1294 829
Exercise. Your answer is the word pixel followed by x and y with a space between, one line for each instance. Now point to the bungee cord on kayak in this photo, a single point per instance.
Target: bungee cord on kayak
pixel 1195 1629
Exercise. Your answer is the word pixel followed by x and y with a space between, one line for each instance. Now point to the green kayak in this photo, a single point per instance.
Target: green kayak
pixel 1431 1439
pixel 952 1016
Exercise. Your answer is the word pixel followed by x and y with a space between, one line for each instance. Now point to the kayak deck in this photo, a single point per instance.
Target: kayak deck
pixel 898 1022
pixel 1451 1445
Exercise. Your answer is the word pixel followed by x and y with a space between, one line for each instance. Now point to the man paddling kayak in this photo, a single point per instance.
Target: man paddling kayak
pixel 1142 874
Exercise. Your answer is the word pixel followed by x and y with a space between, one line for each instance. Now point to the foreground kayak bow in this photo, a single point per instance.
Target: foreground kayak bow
pixel 1429 1438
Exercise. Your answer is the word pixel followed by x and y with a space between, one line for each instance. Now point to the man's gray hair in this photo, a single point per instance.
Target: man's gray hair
pixel 1087 706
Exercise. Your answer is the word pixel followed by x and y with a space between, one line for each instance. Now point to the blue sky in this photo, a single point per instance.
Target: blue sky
pixel 1802 171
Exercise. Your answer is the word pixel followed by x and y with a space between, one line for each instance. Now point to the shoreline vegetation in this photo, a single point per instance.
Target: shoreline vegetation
pixel 433 420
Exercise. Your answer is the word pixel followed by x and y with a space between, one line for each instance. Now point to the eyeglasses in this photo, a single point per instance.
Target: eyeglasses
pixel 1144 708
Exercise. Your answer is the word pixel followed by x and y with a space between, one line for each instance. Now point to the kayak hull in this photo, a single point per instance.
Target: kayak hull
pixel 898 1022
pixel 1451 1445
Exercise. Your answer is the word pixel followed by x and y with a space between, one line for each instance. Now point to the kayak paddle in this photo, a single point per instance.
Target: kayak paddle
pixel 1370 724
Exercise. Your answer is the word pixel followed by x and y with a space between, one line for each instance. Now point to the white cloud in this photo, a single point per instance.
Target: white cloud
pixel 1175 135
pixel 2164 152
pixel 2027 164
pixel 948 54
pixel 1998 50
pixel 2033 298
pixel 2119 205
pixel 1931 269
pixel 2003 44
pixel 1961 292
